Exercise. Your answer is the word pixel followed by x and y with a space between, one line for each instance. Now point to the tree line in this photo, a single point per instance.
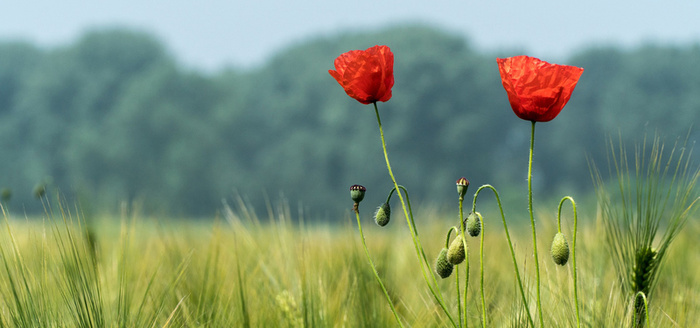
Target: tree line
pixel 114 117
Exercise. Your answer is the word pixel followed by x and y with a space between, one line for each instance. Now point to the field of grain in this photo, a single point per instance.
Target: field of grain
pixel 274 270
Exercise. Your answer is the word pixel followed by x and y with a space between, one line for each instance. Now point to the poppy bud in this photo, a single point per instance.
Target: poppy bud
pixel 462 185
pixel 442 266
pixel 382 215
pixel 560 249
pixel 357 193
pixel 473 224
pixel 456 252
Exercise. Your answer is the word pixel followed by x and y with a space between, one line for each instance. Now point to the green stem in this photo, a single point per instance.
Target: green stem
pixel 374 270
pixel 410 217
pixel 532 221
pixel 481 272
pixel 419 249
pixel 456 271
pixel 414 232
pixel 637 322
pixel 510 245
pixel 466 258
pixel 459 302
pixel 388 198
pixel 573 251
pixel 447 237
pixel 466 279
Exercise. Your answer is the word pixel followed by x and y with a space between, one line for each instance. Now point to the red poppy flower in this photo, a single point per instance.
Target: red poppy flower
pixel 537 90
pixel 366 75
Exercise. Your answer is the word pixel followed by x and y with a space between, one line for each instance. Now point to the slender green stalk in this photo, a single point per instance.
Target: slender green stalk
pixel 374 270
pixel 481 271
pixel 466 279
pixel 654 191
pixel 459 301
pixel 411 225
pixel 532 221
pixel 646 310
pixel 438 295
pixel 447 237
pixel 466 258
pixel 510 245
pixel 241 290
pixel 573 250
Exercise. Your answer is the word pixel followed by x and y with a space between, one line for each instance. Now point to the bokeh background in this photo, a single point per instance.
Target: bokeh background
pixel 178 105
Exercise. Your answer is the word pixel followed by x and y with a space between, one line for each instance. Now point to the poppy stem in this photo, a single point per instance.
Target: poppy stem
pixel 423 261
pixel 374 270
pixel 573 205
pixel 532 220
pixel 466 258
pixel 459 302
pixel 481 272
pixel 510 245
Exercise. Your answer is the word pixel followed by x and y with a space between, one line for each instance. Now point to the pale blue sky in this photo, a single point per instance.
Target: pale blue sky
pixel 212 34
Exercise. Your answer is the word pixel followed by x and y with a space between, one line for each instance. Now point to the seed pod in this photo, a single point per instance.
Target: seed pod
pixel 383 214
pixel 357 193
pixel 473 224
pixel 462 185
pixel 442 266
pixel 560 249
pixel 456 253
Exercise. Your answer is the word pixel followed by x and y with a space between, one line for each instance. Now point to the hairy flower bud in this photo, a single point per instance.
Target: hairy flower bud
pixel 462 185
pixel 443 267
pixel 473 224
pixel 560 249
pixel 383 214
pixel 456 253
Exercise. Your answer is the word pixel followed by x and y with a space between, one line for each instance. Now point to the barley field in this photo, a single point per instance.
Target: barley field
pixel 242 269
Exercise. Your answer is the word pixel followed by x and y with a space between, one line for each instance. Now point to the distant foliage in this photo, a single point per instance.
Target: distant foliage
pixel 113 117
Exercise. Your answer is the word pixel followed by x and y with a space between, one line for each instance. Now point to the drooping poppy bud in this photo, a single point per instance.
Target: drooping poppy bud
pixel 473 224
pixel 383 214
pixel 560 249
pixel 456 253
pixel 462 185
pixel 443 267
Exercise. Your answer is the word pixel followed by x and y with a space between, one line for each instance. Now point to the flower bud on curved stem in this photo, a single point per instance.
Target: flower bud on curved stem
pixel 456 253
pixel 443 267
pixel 560 249
pixel 473 224
pixel 382 215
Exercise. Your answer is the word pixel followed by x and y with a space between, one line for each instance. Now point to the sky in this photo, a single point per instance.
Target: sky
pixel 210 35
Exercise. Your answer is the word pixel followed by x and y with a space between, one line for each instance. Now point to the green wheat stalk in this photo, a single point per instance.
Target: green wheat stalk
pixel 655 190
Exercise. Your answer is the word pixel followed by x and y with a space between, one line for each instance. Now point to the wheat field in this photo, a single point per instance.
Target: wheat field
pixel 274 270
